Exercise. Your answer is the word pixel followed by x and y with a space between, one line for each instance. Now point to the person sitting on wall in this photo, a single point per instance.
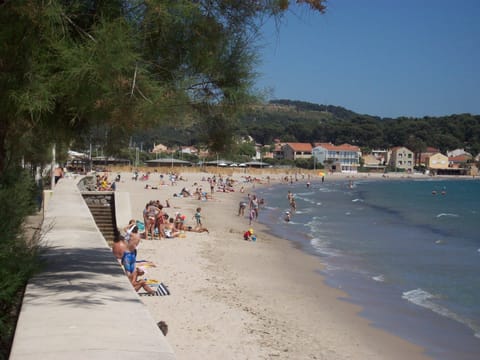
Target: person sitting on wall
pixel 118 248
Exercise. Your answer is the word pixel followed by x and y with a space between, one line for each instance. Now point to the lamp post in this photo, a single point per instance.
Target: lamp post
pixel 53 166
pixel 90 156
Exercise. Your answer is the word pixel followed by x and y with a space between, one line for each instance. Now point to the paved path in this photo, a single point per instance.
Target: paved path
pixel 81 305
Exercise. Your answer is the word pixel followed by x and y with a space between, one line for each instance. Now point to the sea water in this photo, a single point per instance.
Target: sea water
pixel 407 251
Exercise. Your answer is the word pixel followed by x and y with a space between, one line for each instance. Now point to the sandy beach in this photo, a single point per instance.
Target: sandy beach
pixel 236 299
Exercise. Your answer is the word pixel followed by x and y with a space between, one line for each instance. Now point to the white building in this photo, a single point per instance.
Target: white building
pixel 341 158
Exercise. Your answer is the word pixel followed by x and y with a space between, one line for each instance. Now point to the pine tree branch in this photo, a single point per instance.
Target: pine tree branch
pixel 134 80
pixel 79 28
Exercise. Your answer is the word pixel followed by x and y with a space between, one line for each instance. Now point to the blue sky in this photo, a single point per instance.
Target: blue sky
pixel 387 58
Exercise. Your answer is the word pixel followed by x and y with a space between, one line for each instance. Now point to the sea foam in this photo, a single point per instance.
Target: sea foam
pixel 423 298
pixel 447 214
pixel 322 247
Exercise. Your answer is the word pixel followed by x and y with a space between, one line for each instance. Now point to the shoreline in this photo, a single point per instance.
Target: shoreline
pixel 237 299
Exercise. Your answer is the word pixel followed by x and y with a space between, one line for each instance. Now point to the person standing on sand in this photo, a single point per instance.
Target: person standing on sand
pixel 150 215
pixel 212 187
pixel 160 221
pixel 241 208
pixel 251 216
pixel 179 221
pixel 198 218
pixel 254 206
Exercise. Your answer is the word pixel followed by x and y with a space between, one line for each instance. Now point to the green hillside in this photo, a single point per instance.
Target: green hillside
pixel 305 122
pixel 299 121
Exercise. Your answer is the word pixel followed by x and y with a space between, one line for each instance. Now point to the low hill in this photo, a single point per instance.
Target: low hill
pixel 300 121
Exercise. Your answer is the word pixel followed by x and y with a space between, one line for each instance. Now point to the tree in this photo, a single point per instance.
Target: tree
pixel 247 149
pixel 417 146
pixel 72 69
pixel 67 66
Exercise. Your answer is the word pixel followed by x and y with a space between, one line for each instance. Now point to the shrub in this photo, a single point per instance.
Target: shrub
pixel 17 253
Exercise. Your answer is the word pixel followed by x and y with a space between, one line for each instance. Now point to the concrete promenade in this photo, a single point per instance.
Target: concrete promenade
pixel 81 305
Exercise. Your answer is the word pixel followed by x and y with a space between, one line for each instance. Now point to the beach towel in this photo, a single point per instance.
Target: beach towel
pixel 146 264
pixel 162 290
pixel 141 226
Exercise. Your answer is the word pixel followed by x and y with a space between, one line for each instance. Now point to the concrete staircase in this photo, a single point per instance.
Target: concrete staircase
pixel 102 207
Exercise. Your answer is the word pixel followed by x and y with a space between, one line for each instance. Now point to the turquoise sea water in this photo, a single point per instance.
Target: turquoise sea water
pixel 407 251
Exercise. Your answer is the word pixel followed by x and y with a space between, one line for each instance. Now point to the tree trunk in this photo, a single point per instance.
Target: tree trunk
pixel 3 150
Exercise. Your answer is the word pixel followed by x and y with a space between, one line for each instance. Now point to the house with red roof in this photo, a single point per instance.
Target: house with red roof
pixel 459 161
pixel 424 155
pixel 337 158
pixel 294 151
pixel 372 163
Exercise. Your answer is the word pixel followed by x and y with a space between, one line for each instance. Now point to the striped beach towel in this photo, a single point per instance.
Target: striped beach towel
pixel 162 290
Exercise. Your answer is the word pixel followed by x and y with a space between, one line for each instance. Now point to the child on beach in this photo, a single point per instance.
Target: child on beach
pixel 198 217
pixel 248 235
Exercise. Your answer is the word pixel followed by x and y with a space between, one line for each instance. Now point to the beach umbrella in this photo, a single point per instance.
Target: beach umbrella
pixel 321 173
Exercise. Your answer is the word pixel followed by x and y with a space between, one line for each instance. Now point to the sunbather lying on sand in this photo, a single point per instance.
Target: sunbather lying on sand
pixel 198 229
